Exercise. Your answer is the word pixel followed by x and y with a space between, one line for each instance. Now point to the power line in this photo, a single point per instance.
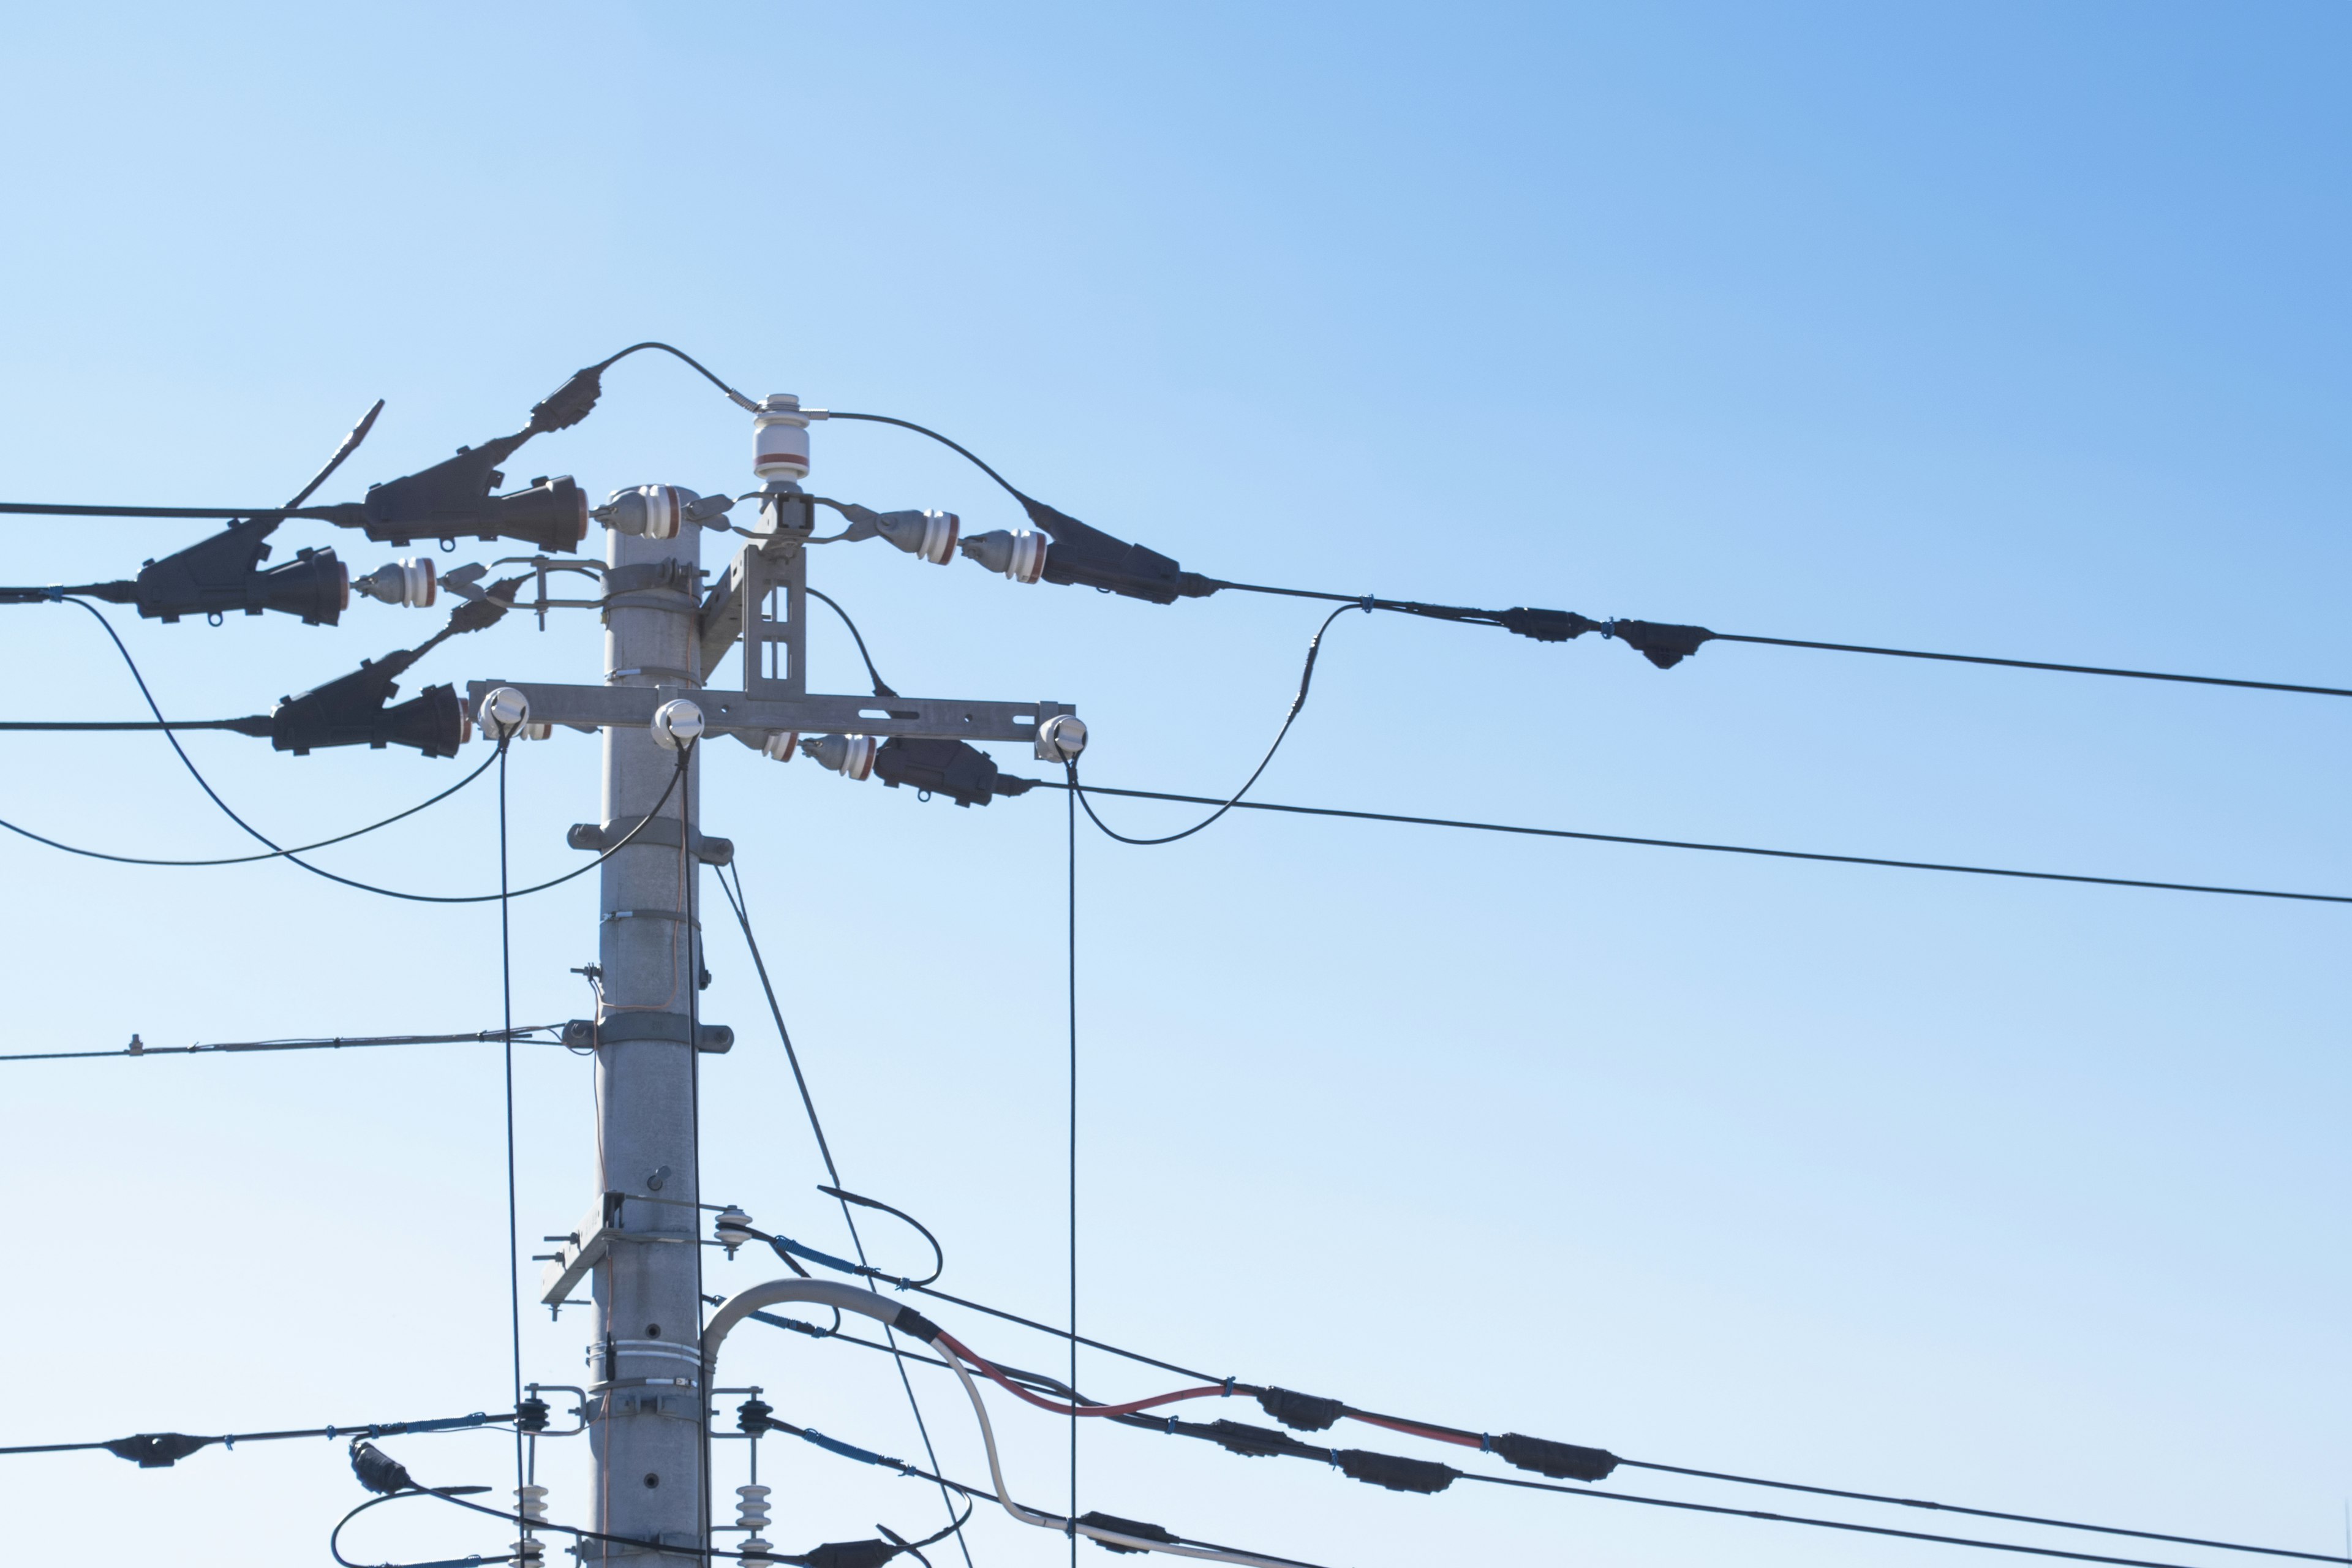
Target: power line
pixel 741 908
pixel 329 1043
pixel 1305 679
pixel 1664 643
pixel 158 1450
pixel 1313 1412
pixel 291 857
pixel 1684 844
pixel 270 855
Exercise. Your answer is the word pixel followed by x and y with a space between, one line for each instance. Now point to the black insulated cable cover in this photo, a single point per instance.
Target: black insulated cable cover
pixel 1394 1471
pixel 1561 1461
pixel 1117 1526
pixel 1306 1412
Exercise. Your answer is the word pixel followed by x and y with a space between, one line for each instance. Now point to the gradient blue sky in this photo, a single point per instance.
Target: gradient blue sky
pixel 1997 326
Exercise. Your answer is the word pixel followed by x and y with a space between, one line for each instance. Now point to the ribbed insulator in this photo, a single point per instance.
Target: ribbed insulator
pixel 751 1512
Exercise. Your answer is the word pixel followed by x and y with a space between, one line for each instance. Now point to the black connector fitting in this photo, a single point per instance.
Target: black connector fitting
pixel 223 575
pixel 1117 1526
pixel 157 1450
pixel 1561 1461
pixel 1394 1471
pixel 351 711
pixel 530 1416
pixel 453 497
pixel 910 1321
pixel 1086 557
pixel 1308 1412
pixel 752 1417
pixel 379 1471
pixel 957 769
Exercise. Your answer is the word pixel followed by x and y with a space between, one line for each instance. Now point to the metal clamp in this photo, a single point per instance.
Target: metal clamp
pixel 618 1029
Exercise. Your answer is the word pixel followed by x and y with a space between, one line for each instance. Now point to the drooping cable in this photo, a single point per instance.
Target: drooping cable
pixel 332 1043
pixel 1688 844
pixel 1072 973
pixel 514 1227
pixel 1314 1412
pixel 290 856
pixel 881 687
pixel 1095 1525
pixel 267 854
pixel 740 905
pixel 1306 680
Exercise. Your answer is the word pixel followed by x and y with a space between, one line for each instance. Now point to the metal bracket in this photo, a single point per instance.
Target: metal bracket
pixel 661 830
pixel 917 718
pixel 620 1029
pixel 740 607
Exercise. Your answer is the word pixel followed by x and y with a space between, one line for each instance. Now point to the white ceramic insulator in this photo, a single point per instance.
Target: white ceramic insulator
pixel 752 1513
pixel 418 585
pixel 730 1227
pixel 860 760
pixel 1061 738
pixel 531 1502
pixel 779 438
pixel 756 1549
pixel 538 730
pixel 1028 555
pixel 781 744
pixel 676 722
pixel 504 711
pixel 939 529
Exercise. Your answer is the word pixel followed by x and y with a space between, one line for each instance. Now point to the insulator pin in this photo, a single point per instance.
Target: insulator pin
pixel 410 583
pixel 1019 555
pixel 928 534
pixel 504 712
pixel 851 756
pixel 649 512
pixel 676 722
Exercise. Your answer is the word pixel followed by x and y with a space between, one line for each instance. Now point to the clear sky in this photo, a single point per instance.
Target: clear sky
pixel 1998 328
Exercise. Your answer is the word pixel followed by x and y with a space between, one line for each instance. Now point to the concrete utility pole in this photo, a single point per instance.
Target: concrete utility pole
pixel 640 1246
pixel 648 1443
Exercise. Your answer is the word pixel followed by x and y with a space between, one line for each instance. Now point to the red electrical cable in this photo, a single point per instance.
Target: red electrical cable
pixel 957 1347
pixel 1415 1429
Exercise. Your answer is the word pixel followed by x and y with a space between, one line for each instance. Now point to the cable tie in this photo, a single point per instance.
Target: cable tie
pixel 1229 1388
pixel 1485 1442
pixel 1366 604
pixel 228 1442
pixel 57 593
pixel 1171 1425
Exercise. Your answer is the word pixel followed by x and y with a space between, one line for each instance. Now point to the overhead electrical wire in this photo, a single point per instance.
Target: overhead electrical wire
pixel 159 1450
pixel 740 905
pixel 1306 680
pixel 1690 844
pixel 332 1043
pixel 1314 1412
pixel 816 1557
pixel 290 855
pixel 1664 643
pixel 267 854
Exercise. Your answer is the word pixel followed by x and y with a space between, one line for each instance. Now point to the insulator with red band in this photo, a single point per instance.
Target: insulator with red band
pixel 780 434
pixel 851 756
pixel 1019 555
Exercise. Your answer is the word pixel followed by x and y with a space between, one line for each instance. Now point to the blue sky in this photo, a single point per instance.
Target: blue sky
pixel 1991 328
